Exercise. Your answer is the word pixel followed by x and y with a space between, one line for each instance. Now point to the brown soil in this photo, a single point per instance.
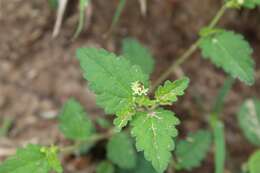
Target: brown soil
pixel 38 73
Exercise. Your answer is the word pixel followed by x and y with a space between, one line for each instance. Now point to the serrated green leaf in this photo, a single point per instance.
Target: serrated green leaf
pixel 231 52
pixel 249 120
pixel 253 163
pixel 120 151
pixel 193 150
pixel 168 93
pixel 154 133
pixel 137 54
pixel 73 121
pixel 105 167
pixel 111 78
pixel 143 166
pixel 31 159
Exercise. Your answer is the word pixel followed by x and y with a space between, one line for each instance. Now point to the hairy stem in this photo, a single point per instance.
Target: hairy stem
pixel 93 139
pixel 187 54
pixel 218 16
pixel 175 64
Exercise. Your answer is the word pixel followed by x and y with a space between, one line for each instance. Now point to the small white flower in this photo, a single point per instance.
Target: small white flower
pixel 139 89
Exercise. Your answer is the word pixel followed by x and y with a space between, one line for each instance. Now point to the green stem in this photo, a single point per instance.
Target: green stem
pixel 93 139
pixel 83 5
pixel 218 16
pixel 175 64
pixel 187 54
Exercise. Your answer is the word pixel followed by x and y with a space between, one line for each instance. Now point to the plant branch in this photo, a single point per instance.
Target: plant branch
pixel 187 54
pixel 218 16
pixel 93 139
pixel 175 64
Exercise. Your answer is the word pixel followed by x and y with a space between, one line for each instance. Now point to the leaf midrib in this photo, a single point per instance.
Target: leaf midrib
pixel 110 74
pixel 230 55
pixel 155 141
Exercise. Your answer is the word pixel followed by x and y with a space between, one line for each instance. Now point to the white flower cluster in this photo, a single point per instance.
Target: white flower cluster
pixel 139 89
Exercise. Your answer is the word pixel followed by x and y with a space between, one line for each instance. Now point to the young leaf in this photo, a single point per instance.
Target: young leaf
pixel 137 54
pixel 32 159
pixel 193 150
pixel 120 151
pixel 145 101
pixel 154 133
pixel 73 121
pixel 253 163
pixel 51 154
pixel 168 93
pixel 111 78
pixel 249 120
pixel 105 167
pixel 143 166
pixel 231 52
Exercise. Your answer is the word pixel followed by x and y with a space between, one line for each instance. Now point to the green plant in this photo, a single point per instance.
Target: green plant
pixel 217 126
pixel 198 145
pixel 121 89
pixel 253 163
pixel 249 121
pixel 142 123
pixel 33 158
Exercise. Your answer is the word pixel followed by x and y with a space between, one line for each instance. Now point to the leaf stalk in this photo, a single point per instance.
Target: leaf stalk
pixel 187 54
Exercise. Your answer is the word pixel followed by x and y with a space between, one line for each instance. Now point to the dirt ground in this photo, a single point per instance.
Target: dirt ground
pixel 38 73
